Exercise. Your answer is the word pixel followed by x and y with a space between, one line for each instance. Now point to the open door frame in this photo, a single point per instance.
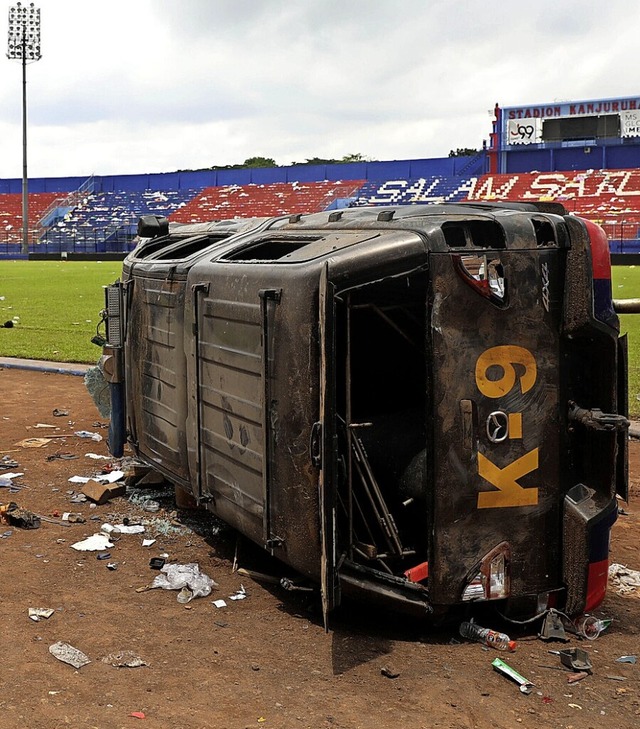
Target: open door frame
pixel 329 446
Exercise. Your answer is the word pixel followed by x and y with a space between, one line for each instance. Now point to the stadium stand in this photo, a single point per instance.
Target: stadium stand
pixel 278 198
pixel 105 222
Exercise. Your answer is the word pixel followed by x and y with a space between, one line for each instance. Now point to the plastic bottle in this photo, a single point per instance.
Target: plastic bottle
pixel 492 638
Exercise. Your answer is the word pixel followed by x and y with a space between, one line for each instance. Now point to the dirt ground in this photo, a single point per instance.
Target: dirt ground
pixel 262 661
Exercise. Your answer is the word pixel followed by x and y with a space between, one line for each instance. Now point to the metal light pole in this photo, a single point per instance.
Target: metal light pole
pixel 24 45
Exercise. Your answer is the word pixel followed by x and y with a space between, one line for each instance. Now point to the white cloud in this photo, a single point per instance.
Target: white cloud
pixel 159 85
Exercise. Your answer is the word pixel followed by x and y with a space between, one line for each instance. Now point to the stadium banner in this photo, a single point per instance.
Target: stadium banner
pixel 521 131
pixel 630 123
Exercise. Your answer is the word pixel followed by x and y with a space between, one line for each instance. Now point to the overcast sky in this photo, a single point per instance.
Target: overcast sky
pixel 134 86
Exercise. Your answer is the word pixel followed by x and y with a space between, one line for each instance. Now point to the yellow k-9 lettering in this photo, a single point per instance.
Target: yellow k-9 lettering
pixel 509 492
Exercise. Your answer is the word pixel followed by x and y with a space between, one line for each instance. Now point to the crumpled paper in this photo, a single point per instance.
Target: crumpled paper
pixel 625 581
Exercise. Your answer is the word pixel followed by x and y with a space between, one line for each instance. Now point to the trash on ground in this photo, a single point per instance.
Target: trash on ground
pixel 624 580
pixel 492 638
pixel 575 658
pixel 124 659
pixel 33 442
pixel 103 555
pixel 36 613
pixel 590 627
pixel 185 595
pixel 616 678
pixel 60 412
pixel 157 563
pixel 151 506
pixel 6 462
pixel 219 603
pixel 68 654
pixel 553 627
pixel 626 659
pixel 6 480
pixel 113 566
pixel 88 434
pixel 148 542
pixel 97 457
pixel 575 677
pixel 73 518
pixel 16 516
pixel 138 714
pixel 62 455
pixel 389 672
pixel 122 528
pixel 177 576
pixel 110 477
pixel 241 594
pixel 101 493
pixel 525 685
pixel 94 543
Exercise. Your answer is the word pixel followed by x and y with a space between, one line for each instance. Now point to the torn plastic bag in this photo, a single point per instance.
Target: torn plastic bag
pixel 177 576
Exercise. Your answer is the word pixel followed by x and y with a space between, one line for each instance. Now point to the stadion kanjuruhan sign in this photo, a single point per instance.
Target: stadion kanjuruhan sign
pixel 523 124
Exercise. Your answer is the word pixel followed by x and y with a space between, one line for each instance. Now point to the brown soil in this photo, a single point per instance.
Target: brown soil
pixel 263 661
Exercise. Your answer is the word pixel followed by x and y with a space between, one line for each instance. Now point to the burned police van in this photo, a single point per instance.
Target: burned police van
pixel 422 406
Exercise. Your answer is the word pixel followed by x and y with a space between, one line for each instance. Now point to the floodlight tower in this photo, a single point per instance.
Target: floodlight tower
pixel 24 45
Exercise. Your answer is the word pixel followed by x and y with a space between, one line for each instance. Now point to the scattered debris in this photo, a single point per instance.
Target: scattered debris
pixel 33 442
pixel 94 543
pixel 491 638
pixel 241 594
pixel 525 685
pixel 44 425
pixel 575 677
pixel 96 457
pixel 73 518
pixel 6 481
pixel 13 514
pixel 64 456
pixel 148 542
pixel 137 715
pixel 88 434
pixel 575 658
pixel 124 659
pixel 389 672
pixel 219 603
pixel 590 627
pixel 113 566
pixel 59 413
pixel 156 563
pixel 626 659
pixel 101 493
pixel 103 555
pixel 185 596
pixel 68 654
pixel 553 627
pixel 177 576
pixel 36 613
pixel 6 462
pixel 624 580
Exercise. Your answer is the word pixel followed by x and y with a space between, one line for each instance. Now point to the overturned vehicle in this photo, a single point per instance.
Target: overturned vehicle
pixel 423 405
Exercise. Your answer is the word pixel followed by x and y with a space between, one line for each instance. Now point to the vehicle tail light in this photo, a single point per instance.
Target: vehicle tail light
pixel 601 265
pixel 492 580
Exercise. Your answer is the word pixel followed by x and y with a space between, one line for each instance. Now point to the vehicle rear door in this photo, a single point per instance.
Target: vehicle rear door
pixel 495 341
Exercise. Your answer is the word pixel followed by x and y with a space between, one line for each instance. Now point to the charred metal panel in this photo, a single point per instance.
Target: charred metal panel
pixel 231 399
pixel 496 369
pixel 156 386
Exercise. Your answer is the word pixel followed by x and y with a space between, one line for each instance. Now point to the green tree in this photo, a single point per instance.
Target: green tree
pixel 463 152
pixel 259 162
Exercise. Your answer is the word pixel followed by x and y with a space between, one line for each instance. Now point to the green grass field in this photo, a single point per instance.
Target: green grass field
pixel 58 305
